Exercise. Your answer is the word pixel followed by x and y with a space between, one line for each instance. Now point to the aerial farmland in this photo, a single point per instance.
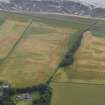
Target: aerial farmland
pixel 46 57
pixel 38 52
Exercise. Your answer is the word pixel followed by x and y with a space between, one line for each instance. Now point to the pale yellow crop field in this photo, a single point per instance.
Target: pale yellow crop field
pixel 91 54
pixel 89 62
pixel 10 32
pixel 36 56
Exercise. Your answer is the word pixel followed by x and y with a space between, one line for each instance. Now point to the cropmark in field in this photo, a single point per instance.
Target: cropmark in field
pixel 36 56
pixel 10 32
pixel 89 62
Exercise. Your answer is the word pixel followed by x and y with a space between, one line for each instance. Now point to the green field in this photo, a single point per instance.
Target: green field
pixel 77 94
pixel 23 103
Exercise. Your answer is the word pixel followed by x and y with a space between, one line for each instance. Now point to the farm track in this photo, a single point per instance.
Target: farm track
pixel 80 82
pixel 16 43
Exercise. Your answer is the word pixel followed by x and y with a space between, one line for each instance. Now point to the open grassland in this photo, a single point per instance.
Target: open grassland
pixel 23 103
pixel 77 94
pixel 2 19
pixel 99 29
pixel 36 56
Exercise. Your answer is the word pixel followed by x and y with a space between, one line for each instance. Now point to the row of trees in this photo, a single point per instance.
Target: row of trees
pixel 41 88
pixel 74 45
pixel 44 90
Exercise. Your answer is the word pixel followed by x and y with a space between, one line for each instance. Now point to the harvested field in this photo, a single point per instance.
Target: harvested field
pixel 46 40
pixel 10 32
pixel 89 61
pixel 43 46
pixel 36 56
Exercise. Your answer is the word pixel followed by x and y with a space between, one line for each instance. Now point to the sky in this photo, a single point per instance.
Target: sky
pixel 5 1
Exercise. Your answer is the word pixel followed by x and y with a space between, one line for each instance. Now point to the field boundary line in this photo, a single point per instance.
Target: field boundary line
pixel 16 43
pixel 59 65
pixel 74 82
pixel 63 53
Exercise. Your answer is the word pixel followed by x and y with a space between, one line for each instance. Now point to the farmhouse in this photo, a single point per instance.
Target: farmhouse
pixel 25 97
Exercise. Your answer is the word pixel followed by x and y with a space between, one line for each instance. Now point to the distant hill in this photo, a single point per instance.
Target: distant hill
pixel 59 6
